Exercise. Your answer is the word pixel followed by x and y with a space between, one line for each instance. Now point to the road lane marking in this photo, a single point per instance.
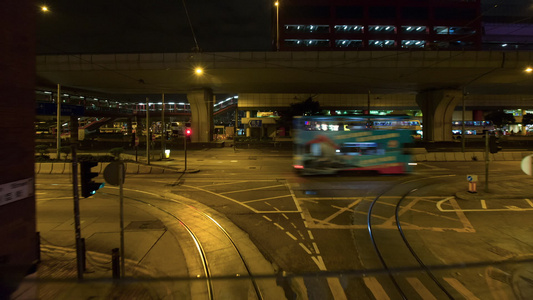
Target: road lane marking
pixel 224 183
pixel 341 210
pixel 420 288
pixel 305 248
pixel 483 204
pixel 376 288
pixel 529 202
pixel 253 189
pixel 264 199
pixel 458 209
pixel 56 198
pixel 279 226
pixel 292 236
pixel 458 286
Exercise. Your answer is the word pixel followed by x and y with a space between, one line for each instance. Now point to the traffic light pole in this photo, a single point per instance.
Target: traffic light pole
pixel 185 150
pixel 77 226
pixel 121 193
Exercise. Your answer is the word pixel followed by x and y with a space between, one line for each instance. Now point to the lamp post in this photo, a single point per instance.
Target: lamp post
pixel 163 129
pixel 58 122
pixel 277 24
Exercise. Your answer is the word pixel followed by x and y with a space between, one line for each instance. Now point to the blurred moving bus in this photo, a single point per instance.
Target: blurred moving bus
pixel 329 144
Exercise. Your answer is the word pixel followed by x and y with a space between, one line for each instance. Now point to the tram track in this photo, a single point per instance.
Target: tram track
pixel 223 271
pixel 379 243
pixel 217 280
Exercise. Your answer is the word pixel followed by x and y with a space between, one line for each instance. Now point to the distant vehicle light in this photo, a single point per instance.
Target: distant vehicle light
pixel 298 166
pixel 413 164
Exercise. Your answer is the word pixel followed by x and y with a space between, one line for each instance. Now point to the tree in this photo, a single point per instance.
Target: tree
pixel 116 152
pixel 500 118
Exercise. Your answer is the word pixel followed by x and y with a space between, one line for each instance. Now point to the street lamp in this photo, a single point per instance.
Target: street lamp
pixel 277 24
pixel 199 71
pixel 44 8
pixel 528 70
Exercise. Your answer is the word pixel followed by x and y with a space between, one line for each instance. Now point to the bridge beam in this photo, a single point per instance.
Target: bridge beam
pixel 201 115
pixel 437 109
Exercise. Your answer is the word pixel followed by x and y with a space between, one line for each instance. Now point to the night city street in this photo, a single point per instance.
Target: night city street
pixel 312 231
pixel 265 150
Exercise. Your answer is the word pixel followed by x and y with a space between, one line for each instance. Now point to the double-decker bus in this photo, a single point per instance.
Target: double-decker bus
pixel 329 144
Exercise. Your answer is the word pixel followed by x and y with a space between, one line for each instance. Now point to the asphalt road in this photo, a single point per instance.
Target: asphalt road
pixel 312 227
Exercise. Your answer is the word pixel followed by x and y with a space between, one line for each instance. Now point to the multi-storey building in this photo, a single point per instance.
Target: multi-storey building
pixel 377 24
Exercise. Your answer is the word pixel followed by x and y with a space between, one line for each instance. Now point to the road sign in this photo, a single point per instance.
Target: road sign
pixel 526 165
pixel 111 173
pixel 256 123
pixel 471 178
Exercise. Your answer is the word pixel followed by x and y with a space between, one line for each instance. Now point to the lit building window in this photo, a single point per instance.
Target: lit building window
pixel 307 43
pixel 440 29
pixel 414 29
pixel 348 43
pixel 413 44
pixel 454 30
pixel 306 28
pixel 381 43
pixel 381 29
pixel 348 28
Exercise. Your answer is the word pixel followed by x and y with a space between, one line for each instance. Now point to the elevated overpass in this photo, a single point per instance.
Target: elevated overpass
pixel 435 81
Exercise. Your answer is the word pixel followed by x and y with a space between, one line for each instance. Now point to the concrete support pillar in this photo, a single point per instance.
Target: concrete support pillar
pixel 437 109
pixel 201 115
pixel 247 126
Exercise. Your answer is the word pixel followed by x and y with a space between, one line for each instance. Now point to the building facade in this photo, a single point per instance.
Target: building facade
pixel 318 25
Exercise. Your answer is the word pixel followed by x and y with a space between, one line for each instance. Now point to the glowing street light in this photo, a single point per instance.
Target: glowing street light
pixel 44 8
pixel 529 70
pixel 199 71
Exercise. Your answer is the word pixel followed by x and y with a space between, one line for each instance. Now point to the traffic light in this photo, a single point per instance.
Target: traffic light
pixel 494 145
pixel 88 186
pixel 188 132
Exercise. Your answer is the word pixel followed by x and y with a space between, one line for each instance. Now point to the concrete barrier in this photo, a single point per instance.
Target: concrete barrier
pixel 157 170
pixel 46 168
pixel 449 156
pixel 144 169
pixel 459 156
pixel 420 157
pixel 58 168
pixel 132 168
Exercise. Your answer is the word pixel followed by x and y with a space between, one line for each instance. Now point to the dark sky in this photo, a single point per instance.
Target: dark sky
pixel 120 26
pixel 153 26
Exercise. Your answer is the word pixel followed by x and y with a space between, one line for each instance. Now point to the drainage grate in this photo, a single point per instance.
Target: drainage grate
pixel 145 225
pixel 252 168
pixel 252 157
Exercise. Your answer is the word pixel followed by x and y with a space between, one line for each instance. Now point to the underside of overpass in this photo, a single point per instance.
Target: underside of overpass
pixel 434 81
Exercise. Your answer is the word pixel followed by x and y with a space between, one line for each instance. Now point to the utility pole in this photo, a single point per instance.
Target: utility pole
pixel 75 192
pixel 163 128
pixel 58 122
pixel 463 141
pixel 147 131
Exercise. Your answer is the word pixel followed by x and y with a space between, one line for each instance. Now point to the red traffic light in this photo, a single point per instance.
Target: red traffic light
pixel 188 132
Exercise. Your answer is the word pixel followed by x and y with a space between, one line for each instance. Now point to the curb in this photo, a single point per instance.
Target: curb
pixel 57 168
